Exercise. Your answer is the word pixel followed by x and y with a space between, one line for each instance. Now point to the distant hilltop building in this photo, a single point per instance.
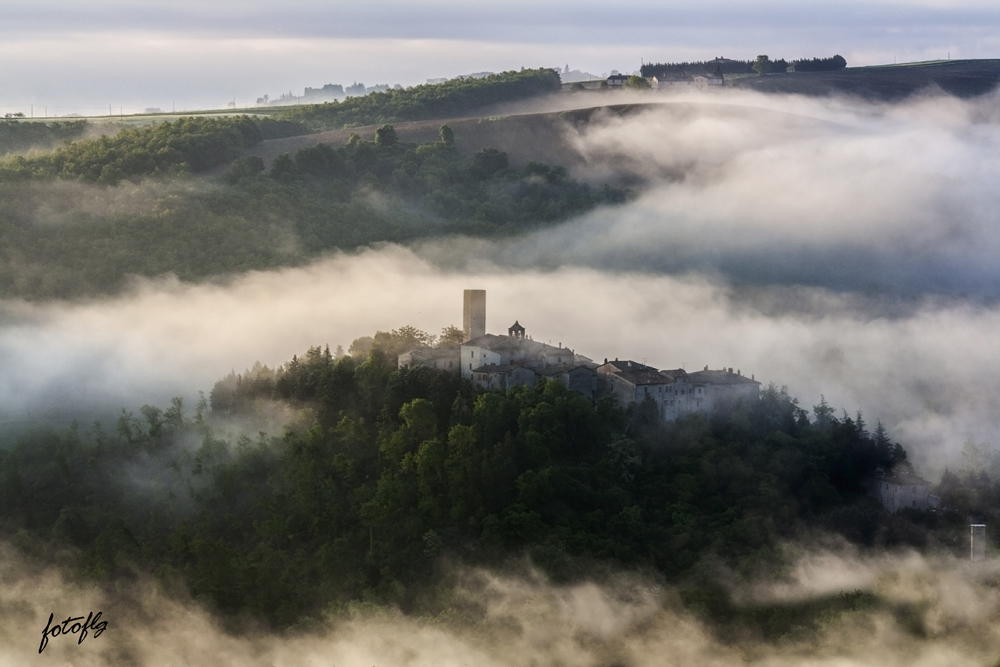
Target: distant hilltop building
pixel 501 362
pixel 617 81
pixel 328 93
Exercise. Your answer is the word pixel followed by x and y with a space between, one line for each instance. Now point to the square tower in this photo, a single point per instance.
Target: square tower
pixel 474 313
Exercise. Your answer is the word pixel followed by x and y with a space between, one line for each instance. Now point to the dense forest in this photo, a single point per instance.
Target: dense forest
pixel 455 97
pixel 727 66
pixel 59 241
pixel 81 219
pixel 18 136
pixel 161 149
pixel 381 473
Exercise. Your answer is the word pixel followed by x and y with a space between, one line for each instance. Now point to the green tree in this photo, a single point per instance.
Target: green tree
pixel 451 336
pixel 385 136
pixel 636 83
pixel 489 160
pixel 447 135
pixel 762 65
pixel 246 167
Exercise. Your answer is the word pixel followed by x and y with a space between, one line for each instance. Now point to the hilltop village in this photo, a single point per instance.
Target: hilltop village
pixel 501 362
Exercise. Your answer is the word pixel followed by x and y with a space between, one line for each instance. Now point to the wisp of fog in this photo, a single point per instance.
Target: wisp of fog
pixel 930 613
pixel 929 375
pixel 835 246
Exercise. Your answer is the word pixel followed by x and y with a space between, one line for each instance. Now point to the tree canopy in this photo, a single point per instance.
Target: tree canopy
pixel 381 471
pixel 315 200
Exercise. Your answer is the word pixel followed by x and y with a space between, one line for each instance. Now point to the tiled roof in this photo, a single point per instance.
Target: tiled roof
pixel 645 377
pixel 719 377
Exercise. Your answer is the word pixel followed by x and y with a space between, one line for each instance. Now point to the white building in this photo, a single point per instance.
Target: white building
pixel 699 81
pixel 447 359
pixel 515 349
pixel 901 489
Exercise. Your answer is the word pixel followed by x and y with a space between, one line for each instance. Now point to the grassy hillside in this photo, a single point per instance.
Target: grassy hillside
pixel 962 78
pixel 453 98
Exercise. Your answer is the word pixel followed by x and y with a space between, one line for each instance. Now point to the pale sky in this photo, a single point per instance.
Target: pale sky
pixel 84 55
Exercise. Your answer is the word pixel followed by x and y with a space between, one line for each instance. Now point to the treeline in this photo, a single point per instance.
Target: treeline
pixel 454 97
pixel 381 472
pixel 19 136
pixel 439 190
pixel 57 241
pixel 820 64
pixel 727 66
pixel 163 149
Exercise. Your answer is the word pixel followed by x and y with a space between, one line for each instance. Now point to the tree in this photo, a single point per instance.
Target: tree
pixel 447 135
pixel 284 169
pixel 451 336
pixel 490 160
pixel 636 83
pixel 385 136
pixel 762 65
pixel 247 166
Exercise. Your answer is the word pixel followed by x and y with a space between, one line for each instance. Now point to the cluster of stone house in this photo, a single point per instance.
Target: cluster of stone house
pixel 677 392
pixel 673 81
pixel 501 362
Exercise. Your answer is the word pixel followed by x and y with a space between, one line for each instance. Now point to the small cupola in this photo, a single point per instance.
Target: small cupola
pixel 516 331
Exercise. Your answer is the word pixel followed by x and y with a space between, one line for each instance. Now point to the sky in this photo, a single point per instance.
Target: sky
pixel 88 55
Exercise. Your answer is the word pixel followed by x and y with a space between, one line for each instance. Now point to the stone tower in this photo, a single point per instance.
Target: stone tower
pixel 474 313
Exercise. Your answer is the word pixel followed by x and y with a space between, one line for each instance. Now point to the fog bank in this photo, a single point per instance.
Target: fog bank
pixel 926 612
pixel 762 190
pixel 928 373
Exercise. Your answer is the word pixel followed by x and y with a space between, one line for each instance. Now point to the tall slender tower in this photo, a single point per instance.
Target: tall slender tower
pixel 474 313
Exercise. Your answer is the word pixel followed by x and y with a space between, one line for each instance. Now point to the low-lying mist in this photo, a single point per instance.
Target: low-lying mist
pixel 881 611
pixel 840 247
pixel 928 373
pixel 837 193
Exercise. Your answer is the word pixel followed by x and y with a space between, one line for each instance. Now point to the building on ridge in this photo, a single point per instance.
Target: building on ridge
pixel 676 392
pixel 498 362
